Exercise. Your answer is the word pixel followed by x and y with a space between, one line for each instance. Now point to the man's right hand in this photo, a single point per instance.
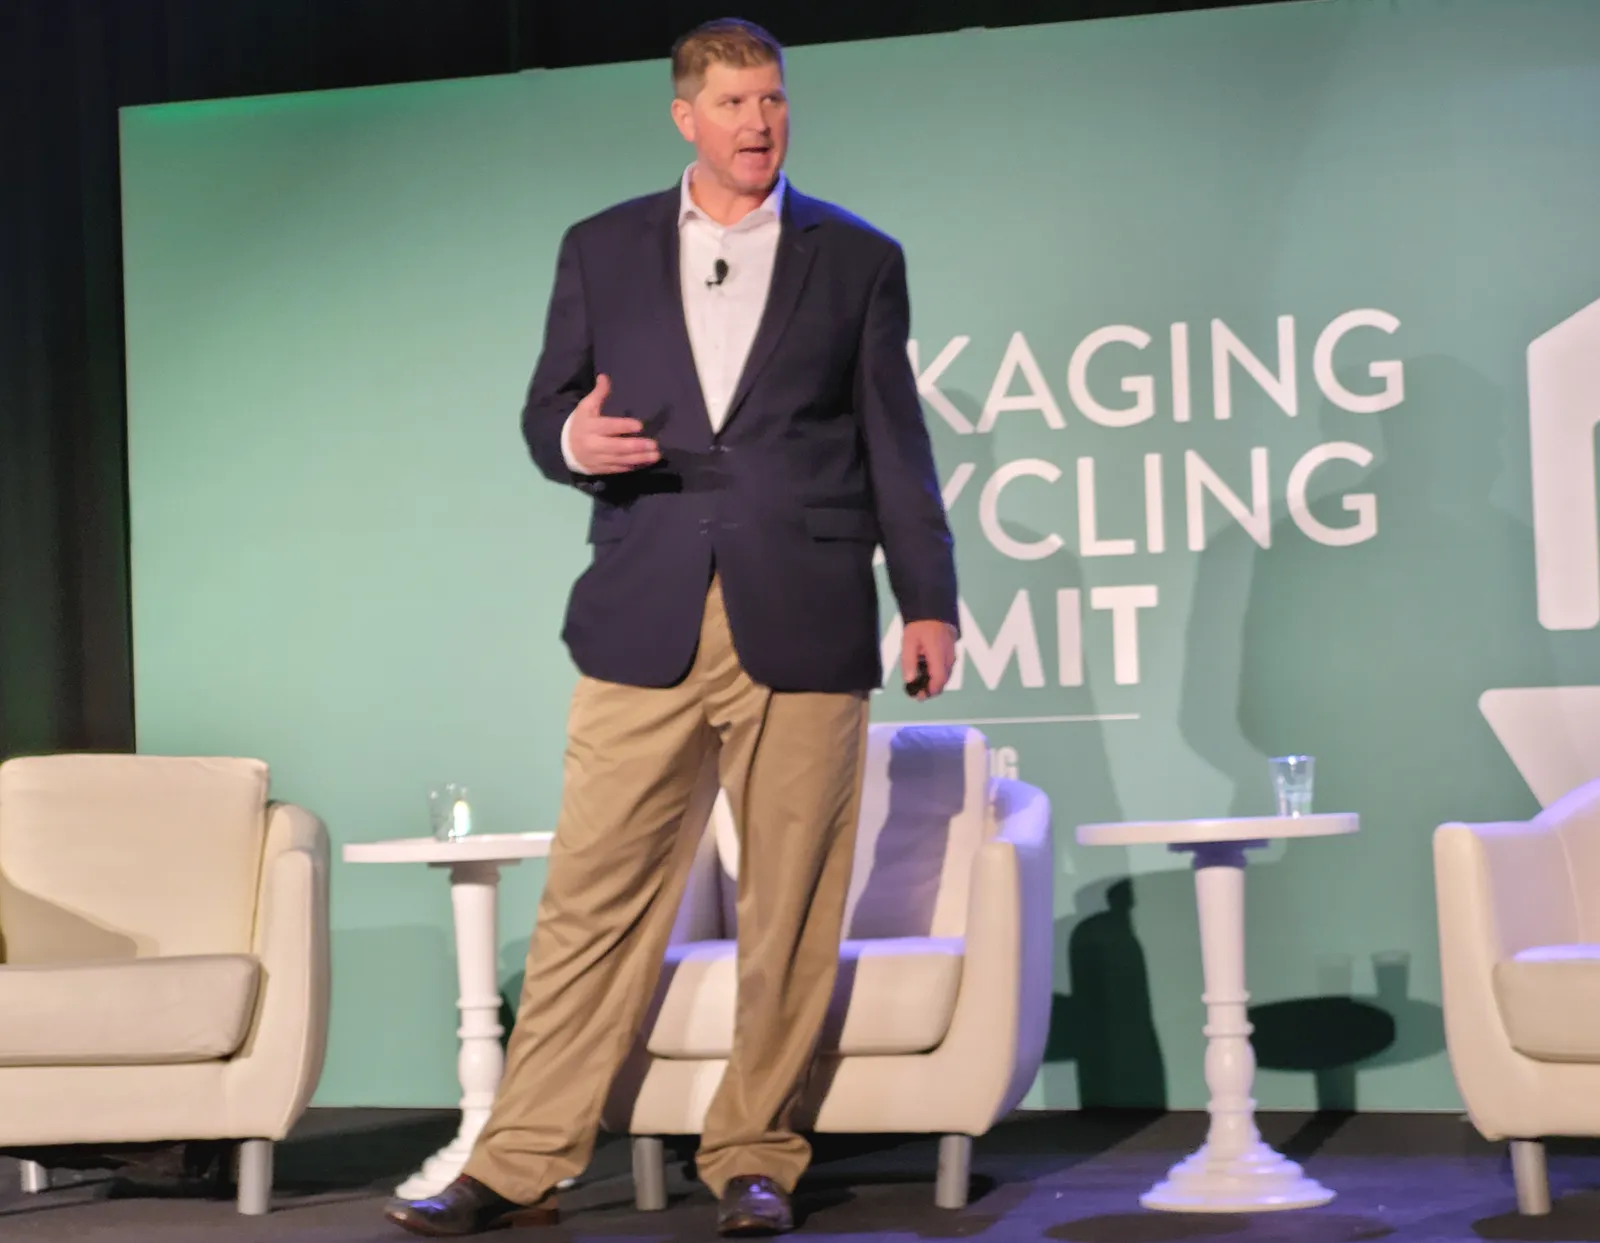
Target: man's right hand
pixel 602 445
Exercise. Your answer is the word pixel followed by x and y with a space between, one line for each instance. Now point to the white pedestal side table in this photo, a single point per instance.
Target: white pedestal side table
pixel 474 864
pixel 1234 1171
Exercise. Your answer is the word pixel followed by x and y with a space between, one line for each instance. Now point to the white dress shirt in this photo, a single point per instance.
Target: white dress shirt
pixel 722 317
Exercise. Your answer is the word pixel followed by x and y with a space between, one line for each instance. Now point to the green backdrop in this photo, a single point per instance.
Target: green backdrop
pixel 1197 526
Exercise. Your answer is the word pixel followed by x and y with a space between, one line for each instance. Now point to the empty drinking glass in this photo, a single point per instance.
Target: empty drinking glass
pixel 450 812
pixel 1291 781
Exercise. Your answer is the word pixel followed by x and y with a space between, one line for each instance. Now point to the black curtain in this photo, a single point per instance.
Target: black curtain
pixel 64 654
pixel 66 66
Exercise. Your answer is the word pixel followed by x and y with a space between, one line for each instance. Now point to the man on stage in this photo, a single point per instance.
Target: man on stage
pixel 724 372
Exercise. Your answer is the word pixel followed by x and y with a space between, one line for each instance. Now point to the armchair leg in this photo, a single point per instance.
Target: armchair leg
pixel 255 1177
pixel 955 1171
pixel 649 1173
pixel 35 1178
pixel 1531 1176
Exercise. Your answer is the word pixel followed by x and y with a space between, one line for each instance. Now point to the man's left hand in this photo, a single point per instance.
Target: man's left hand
pixel 935 643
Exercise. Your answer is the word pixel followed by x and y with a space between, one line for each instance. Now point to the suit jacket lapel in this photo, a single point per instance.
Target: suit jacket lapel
pixel 679 353
pixel 791 264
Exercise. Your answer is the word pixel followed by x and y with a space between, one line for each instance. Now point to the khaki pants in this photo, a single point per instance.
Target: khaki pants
pixel 792 766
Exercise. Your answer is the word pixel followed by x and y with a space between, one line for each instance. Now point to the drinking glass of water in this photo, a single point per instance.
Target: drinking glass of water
pixel 1291 781
pixel 450 812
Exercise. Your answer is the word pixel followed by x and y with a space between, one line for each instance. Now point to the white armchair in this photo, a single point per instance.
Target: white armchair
pixel 163 957
pixel 942 1007
pixel 1519 940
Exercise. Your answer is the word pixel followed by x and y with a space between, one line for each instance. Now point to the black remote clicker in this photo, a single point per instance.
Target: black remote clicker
pixel 919 684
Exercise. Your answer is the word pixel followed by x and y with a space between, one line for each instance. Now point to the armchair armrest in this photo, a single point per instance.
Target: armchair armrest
pixel 272 1078
pixel 1002 1013
pixel 1508 882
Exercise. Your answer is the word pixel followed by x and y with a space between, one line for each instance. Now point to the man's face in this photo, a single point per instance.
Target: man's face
pixel 739 125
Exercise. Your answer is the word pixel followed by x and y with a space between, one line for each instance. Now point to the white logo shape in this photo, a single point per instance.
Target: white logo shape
pixel 1563 408
pixel 1552 733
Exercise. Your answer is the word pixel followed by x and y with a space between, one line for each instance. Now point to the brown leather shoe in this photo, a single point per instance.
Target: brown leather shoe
pixel 465 1207
pixel 753 1207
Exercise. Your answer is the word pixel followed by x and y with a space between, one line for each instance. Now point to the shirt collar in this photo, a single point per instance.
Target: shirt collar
pixel 771 207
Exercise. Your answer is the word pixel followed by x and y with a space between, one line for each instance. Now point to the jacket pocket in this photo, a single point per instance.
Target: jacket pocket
pixel 846 524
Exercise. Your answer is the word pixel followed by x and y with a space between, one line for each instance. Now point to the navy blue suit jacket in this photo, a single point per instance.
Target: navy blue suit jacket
pixel 823 455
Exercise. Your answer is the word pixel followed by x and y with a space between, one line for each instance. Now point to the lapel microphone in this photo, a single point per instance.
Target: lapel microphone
pixel 720 268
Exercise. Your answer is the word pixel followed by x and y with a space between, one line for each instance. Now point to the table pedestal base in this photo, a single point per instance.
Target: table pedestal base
pixel 474 864
pixel 1233 1171
pixel 473 894
pixel 1257 1180
pixel 444 1166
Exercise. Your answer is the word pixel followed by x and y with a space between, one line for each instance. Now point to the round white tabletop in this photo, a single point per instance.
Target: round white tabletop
pixel 1234 1171
pixel 474 863
pixel 1228 829
pixel 474 848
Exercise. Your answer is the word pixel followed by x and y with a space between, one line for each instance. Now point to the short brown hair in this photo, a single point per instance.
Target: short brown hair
pixel 728 41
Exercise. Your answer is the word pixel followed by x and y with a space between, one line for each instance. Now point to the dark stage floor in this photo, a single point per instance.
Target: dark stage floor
pixel 1073 1177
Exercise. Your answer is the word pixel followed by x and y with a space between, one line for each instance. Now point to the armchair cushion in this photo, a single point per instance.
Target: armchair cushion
pixel 1549 998
pixel 129 856
pixel 143 1011
pixel 893 995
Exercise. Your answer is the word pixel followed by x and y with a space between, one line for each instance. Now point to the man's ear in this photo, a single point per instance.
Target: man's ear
pixel 683 118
